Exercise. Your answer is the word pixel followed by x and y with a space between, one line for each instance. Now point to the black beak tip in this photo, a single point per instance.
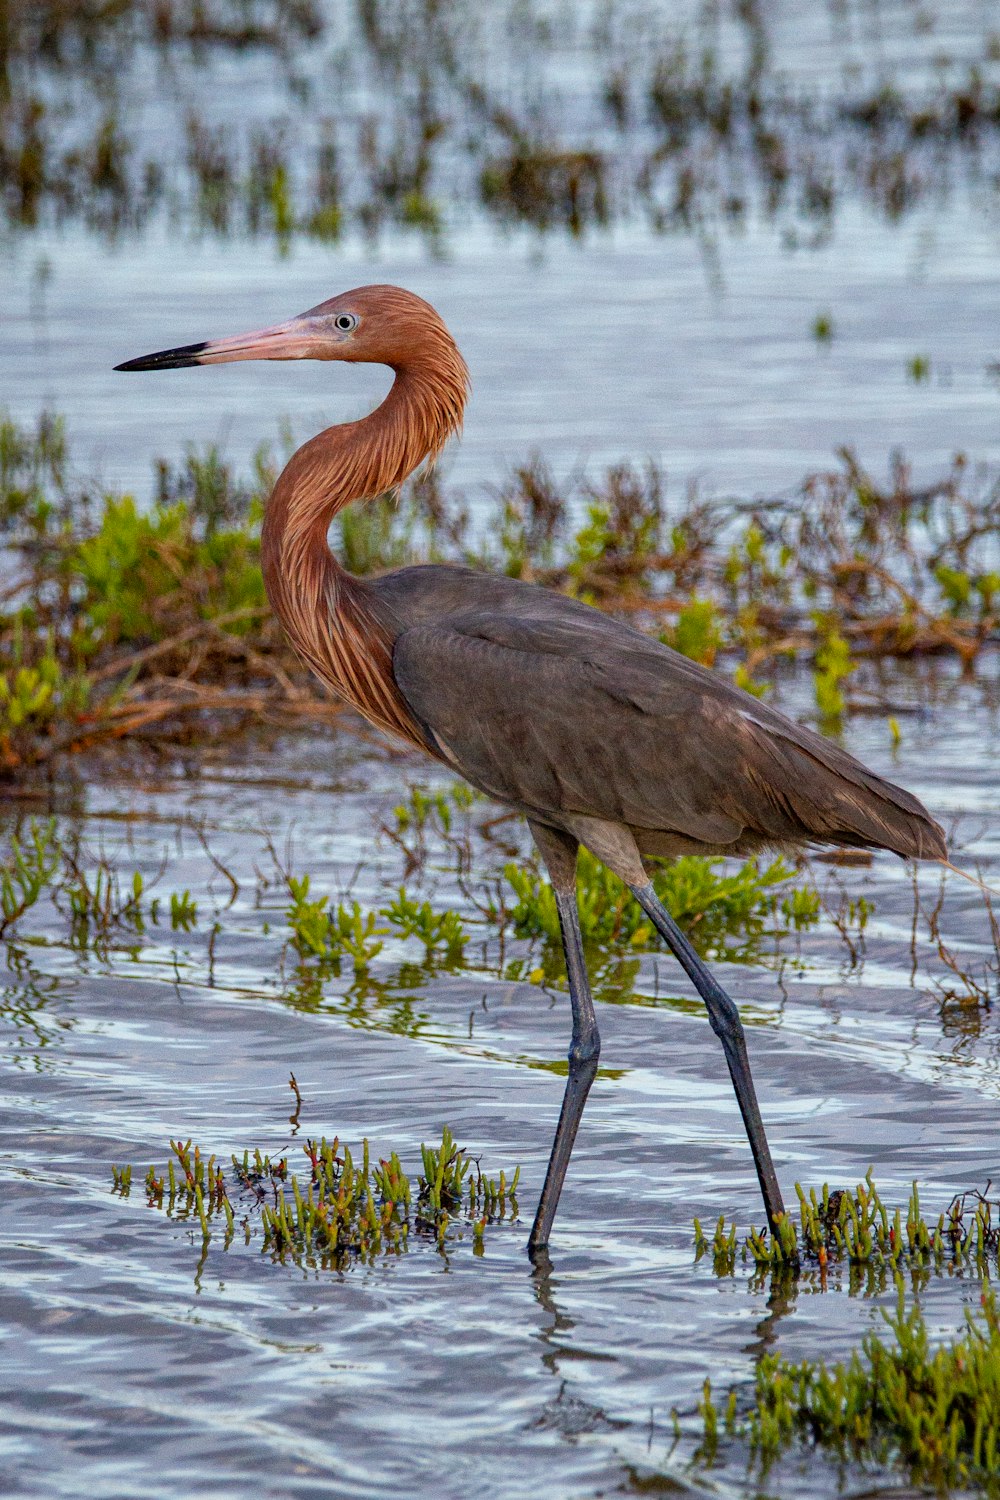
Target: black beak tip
pixel 167 359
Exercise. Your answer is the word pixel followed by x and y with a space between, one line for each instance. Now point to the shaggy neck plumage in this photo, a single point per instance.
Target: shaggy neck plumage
pixel 333 619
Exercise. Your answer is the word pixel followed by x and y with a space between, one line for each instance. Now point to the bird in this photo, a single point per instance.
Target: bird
pixel 601 736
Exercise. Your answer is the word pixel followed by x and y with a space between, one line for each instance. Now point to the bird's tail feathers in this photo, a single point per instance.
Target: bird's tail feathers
pixel 876 816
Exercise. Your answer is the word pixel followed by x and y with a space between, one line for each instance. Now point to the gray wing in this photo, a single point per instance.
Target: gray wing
pixel 568 712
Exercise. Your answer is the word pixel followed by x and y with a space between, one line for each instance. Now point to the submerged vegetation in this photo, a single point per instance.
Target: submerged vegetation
pixel 126 621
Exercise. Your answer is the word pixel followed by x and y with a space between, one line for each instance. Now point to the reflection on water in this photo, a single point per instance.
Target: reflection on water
pixel 690 118
pixel 30 1002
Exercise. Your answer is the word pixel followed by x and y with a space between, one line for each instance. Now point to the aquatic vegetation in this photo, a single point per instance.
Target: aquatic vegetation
pixel 719 912
pixel 110 612
pixel 536 184
pixel 441 932
pixel 726 912
pixel 932 1411
pixel 532 519
pixel 83 885
pixel 833 666
pixel 624 530
pixel 423 808
pixel 698 631
pixel 98 902
pixel 340 1211
pixel 146 574
pixel 325 931
pixel 183 911
pixel 33 699
pixel 131 620
pixel 822 328
pixel 857 1229
pixel 29 867
pixel 438 821
pixel 684 137
pixel 970 982
pixel 32 471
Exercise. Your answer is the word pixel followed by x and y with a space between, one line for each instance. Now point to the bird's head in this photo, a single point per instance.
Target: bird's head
pixel 383 325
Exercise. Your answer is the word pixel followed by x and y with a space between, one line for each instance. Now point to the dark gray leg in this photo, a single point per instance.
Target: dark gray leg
pixel 584 1051
pixel 725 1021
pixel 559 851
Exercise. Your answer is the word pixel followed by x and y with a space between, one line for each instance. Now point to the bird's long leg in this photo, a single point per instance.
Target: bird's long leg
pixel 725 1022
pixel 584 1051
pixel 559 853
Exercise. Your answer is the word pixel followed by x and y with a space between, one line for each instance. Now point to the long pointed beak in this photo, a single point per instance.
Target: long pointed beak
pixel 299 338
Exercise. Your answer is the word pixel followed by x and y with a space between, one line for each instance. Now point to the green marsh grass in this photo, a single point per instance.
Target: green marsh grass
pixel 856 1229
pixel 340 1210
pixel 928 1408
pixel 150 621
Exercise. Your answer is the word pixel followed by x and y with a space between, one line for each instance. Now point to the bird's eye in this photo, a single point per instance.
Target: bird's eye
pixel 345 322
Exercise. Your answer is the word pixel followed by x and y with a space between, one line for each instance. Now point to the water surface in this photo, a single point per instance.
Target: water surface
pixel 159 1370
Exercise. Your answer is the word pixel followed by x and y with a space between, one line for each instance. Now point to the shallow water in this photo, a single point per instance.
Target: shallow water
pixel 134 1365
pixel 694 347
pixel 153 1369
pixel 642 355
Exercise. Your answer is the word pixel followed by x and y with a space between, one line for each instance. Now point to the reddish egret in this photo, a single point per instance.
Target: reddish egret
pixel 599 735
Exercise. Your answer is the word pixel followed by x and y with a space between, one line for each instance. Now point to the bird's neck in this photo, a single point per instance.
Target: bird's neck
pixel 334 621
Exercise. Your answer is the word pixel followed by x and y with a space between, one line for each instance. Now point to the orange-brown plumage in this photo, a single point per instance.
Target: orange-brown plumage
pixel 331 618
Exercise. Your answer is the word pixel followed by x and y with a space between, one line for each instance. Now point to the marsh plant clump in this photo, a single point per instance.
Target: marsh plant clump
pixel 721 912
pixel 339 1211
pixel 931 1411
pixel 150 622
pixel 118 619
pixel 857 1230
pixel 927 1406
pixel 728 914
pixel 343 930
